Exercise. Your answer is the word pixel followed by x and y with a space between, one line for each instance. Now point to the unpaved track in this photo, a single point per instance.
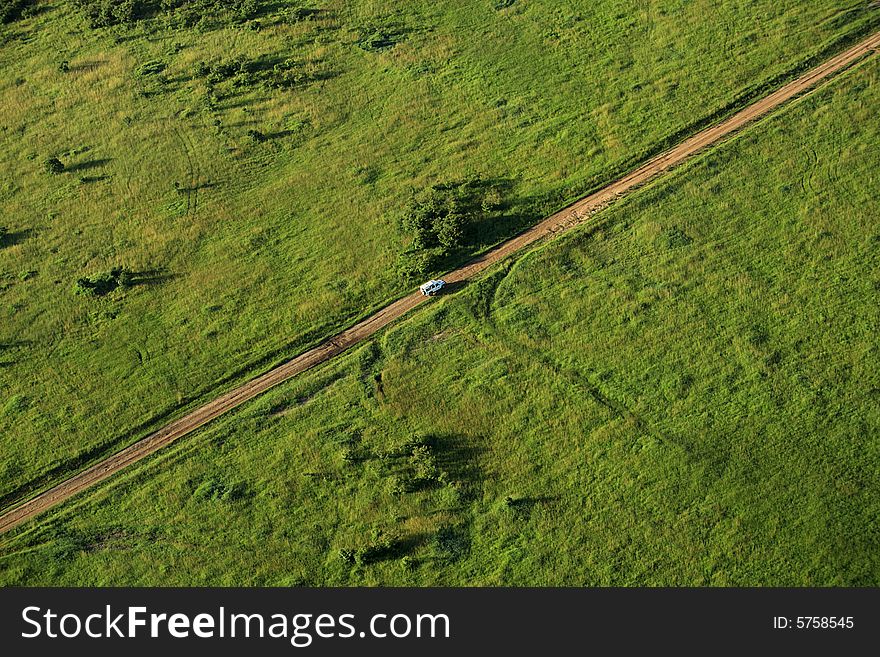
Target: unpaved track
pixel 562 220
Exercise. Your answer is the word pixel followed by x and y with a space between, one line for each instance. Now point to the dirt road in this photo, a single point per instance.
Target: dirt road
pixel 562 220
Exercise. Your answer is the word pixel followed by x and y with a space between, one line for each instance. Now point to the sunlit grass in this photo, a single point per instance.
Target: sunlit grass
pixel 683 393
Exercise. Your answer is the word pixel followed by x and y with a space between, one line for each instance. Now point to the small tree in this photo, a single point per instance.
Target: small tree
pixel 449 229
pixel 419 217
pixel 423 463
pixel 414 265
pixel 124 279
pixel 53 165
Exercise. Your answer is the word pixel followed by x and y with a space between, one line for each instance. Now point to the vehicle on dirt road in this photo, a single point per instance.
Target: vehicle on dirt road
pixel 431 288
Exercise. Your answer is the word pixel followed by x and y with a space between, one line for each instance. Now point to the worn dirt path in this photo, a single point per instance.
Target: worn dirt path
pixel 562 220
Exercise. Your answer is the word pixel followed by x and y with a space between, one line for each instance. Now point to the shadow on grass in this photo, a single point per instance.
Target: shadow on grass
pixel 458 456
pixel 452 288
pixel 88 164
pixel 197 187
pixel 102 284
pixel 280 134
pixel 85 67
pixel 92 179
pixel 150 277
pixel 15 237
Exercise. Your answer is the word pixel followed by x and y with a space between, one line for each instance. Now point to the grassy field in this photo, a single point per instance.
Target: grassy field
pixel 685 393
pixel 230 186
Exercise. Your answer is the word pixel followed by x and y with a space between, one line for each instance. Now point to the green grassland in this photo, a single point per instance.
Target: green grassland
pixel 685 392
pixel 245 172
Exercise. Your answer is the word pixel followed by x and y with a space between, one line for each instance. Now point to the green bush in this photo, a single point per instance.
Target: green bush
pixel 442 220
pixel 424 464
pixel 449 230
pixel 12 10
pixel 105 13
pixel 53 165
pixel 452 542
pixel 415 265
pixel 201 13
pixel 104 283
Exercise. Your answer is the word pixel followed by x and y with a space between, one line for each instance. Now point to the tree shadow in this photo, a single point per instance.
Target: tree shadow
pixel 241 124
pixel 303 13
pixel 15 237
pixel 196 187
pixel 15 344
pixel 84 67
pixel 91 179
pixel 151 277
pixel 378 37
pixel 457 455
pixel 88 164
pixel 492 224
pixel 279 134
pixel 14 11
pixel 102 284
pixel 411 542
pixel 175 83
pixel 12 346
pixel 452 542
pixel 529 502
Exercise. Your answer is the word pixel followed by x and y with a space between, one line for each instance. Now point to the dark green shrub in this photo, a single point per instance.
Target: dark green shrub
pixel 12 10
pixel 124 278
pixel 397 486
pixel 53 165
pixel 384 546
pixel 445 216
pixel 415 265
pixel 676 238
pixel 104 283
pixel 245 9
pixel 377 39
pixel 449 230
pixel 152 67
pixel 424 464
pixel 452 542
pixel 104 13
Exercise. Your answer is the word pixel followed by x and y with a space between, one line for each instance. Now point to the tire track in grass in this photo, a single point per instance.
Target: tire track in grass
pixel 561 221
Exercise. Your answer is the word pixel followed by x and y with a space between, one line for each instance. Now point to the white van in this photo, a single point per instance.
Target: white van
pixel 431 288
